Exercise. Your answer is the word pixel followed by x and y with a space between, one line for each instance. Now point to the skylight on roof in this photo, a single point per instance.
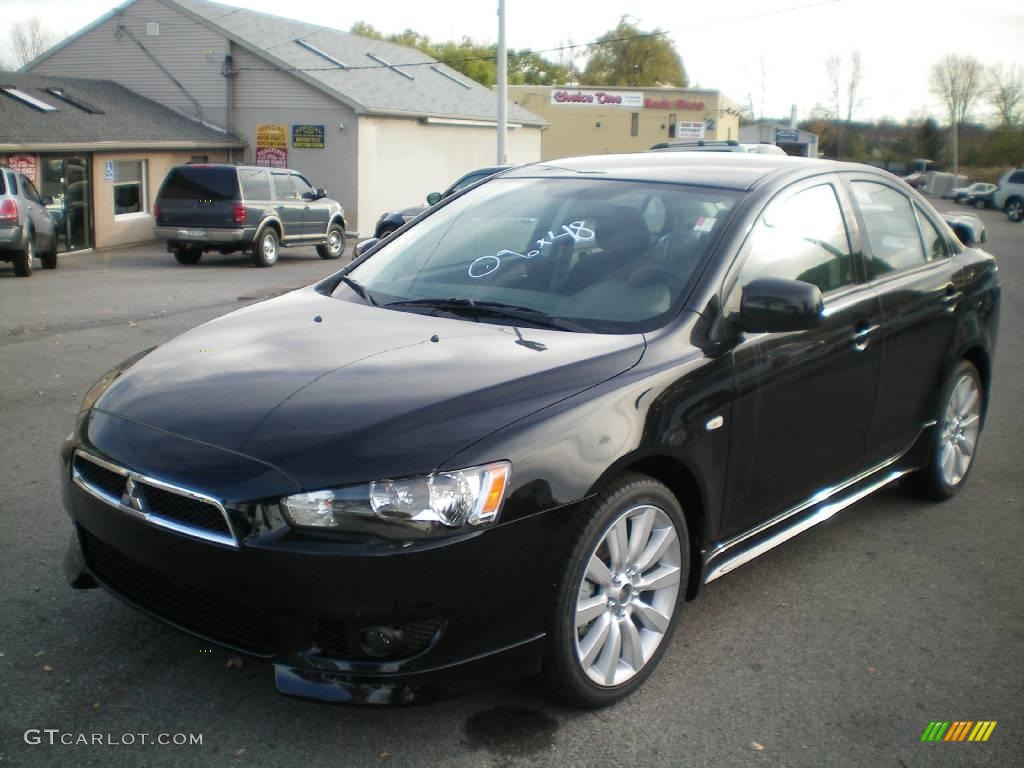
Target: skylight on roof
pixel 28 99
pixel 390 66
pixel 74 101
pixel 322 54
pixel 451 77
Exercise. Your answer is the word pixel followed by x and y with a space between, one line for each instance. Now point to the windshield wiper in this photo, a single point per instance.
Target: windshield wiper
pixel 493 308
pixel 358 288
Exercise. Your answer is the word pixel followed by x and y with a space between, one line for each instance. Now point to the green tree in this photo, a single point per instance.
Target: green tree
pixel 628 56
pixel 477 61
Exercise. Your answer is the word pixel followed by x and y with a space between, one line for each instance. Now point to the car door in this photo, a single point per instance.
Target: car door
pixel 40 217
pixel 803 400
pixel 289 205
pixel 919 287
pixel 314 212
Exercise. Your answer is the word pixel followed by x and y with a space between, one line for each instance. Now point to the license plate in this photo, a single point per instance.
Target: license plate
pixel 191 233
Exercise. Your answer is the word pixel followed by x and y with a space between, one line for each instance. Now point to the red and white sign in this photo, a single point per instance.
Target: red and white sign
pixel 681 104
pixel 272 157
pixel 629 99
pixel 25 164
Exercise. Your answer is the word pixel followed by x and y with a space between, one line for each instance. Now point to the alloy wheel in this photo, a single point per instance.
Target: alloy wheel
pixel 627 596
pixel 960 428
pixel 334 242
pixel 269 248
pixel 1015 210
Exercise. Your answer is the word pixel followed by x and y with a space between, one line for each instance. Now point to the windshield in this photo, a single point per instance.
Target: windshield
pixel 606 256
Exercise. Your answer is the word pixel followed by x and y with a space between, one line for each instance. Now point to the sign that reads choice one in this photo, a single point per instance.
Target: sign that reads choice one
pixel 269 135
pixel 598 98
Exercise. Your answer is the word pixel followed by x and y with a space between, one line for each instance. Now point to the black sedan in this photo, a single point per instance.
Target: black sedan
pixel 514 439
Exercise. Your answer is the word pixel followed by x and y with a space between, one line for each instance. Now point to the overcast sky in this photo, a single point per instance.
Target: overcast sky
pixel 722 45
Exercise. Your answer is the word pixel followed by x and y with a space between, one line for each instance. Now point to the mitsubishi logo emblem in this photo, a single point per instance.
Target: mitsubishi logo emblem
pixel 132 496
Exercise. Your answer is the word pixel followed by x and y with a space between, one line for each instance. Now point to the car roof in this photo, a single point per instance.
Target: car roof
pixel 728 170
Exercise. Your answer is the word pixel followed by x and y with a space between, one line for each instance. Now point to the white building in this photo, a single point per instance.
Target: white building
pixel 376 124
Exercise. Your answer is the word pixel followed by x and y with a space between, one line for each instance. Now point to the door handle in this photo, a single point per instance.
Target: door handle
pixel 862 336
pixel 952 298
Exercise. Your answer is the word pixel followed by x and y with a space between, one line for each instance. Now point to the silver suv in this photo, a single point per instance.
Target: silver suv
pixel 1009 194
pixel 26 227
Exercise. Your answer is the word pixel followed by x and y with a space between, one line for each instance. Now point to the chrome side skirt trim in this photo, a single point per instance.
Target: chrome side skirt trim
pixel 823 514
pixel 149 517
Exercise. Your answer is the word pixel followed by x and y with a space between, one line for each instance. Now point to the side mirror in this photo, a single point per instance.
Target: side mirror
pixel 363 246
pixel 773 305
pixel 433 198
pixel 309 196
pixel 321 193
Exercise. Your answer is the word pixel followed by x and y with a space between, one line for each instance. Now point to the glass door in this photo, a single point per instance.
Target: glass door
pixel 65 183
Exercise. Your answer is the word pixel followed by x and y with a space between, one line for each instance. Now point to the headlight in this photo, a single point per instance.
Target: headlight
pixel 464 499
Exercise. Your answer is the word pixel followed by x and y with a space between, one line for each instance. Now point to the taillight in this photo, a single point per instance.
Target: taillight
pixel 238 212
pixel 8 210
pixel 156 213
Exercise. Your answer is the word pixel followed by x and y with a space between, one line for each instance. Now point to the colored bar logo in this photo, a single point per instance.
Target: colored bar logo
pixel 958 730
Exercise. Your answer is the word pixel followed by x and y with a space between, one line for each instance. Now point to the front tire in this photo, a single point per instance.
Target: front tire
pixel 955 442
pixel 334 246
pixel 265 249
pixel 24 258
pixel 616 599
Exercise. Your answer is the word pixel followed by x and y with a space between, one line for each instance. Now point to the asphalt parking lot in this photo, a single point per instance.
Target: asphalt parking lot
pixel 837 648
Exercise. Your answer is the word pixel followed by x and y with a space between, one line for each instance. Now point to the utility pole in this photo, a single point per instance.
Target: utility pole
pixel 956 137
pixel 502 86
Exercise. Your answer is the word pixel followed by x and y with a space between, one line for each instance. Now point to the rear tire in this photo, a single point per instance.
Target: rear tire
pixel 187 256
pixel 334 246
pixel 616 600
pixel 955 439
pixel 23 259
pixel 1014 209
pixel 979 204
pixel 265 248
pixel 387 232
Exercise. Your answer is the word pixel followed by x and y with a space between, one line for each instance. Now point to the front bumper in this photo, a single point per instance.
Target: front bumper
pixel 471 609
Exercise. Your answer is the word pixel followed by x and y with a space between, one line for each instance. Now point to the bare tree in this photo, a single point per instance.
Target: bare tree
pixel 957 81
pixel 838 89
pixel 1006 93
pixel 29 39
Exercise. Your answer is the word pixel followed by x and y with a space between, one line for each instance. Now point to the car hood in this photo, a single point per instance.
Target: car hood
pixel 332 392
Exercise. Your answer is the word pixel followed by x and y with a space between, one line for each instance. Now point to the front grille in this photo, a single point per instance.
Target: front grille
pixel 339 639
pixel 100 477
pixel 160 505
pixel 182 509
pixel 206 613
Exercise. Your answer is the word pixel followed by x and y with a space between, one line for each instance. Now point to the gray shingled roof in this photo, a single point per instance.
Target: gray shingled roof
pixel 126 120
pixel 377 89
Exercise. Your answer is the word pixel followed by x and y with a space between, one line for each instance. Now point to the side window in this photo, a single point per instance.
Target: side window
pixel 255 184
pixel 802 237
pixel 29 191
pixel 934 242
pixel 465 182
pixel 891 227
pixel 302 186
pixel 284 188
pixel 1016 178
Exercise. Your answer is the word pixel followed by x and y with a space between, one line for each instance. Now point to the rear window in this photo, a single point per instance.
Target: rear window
pixel 200 183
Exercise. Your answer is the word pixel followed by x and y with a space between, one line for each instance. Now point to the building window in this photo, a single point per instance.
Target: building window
pixel 129 187
pixel 634 125
pixel 671 126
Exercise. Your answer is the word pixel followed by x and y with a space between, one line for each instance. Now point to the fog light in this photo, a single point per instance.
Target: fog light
pixel 380 642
